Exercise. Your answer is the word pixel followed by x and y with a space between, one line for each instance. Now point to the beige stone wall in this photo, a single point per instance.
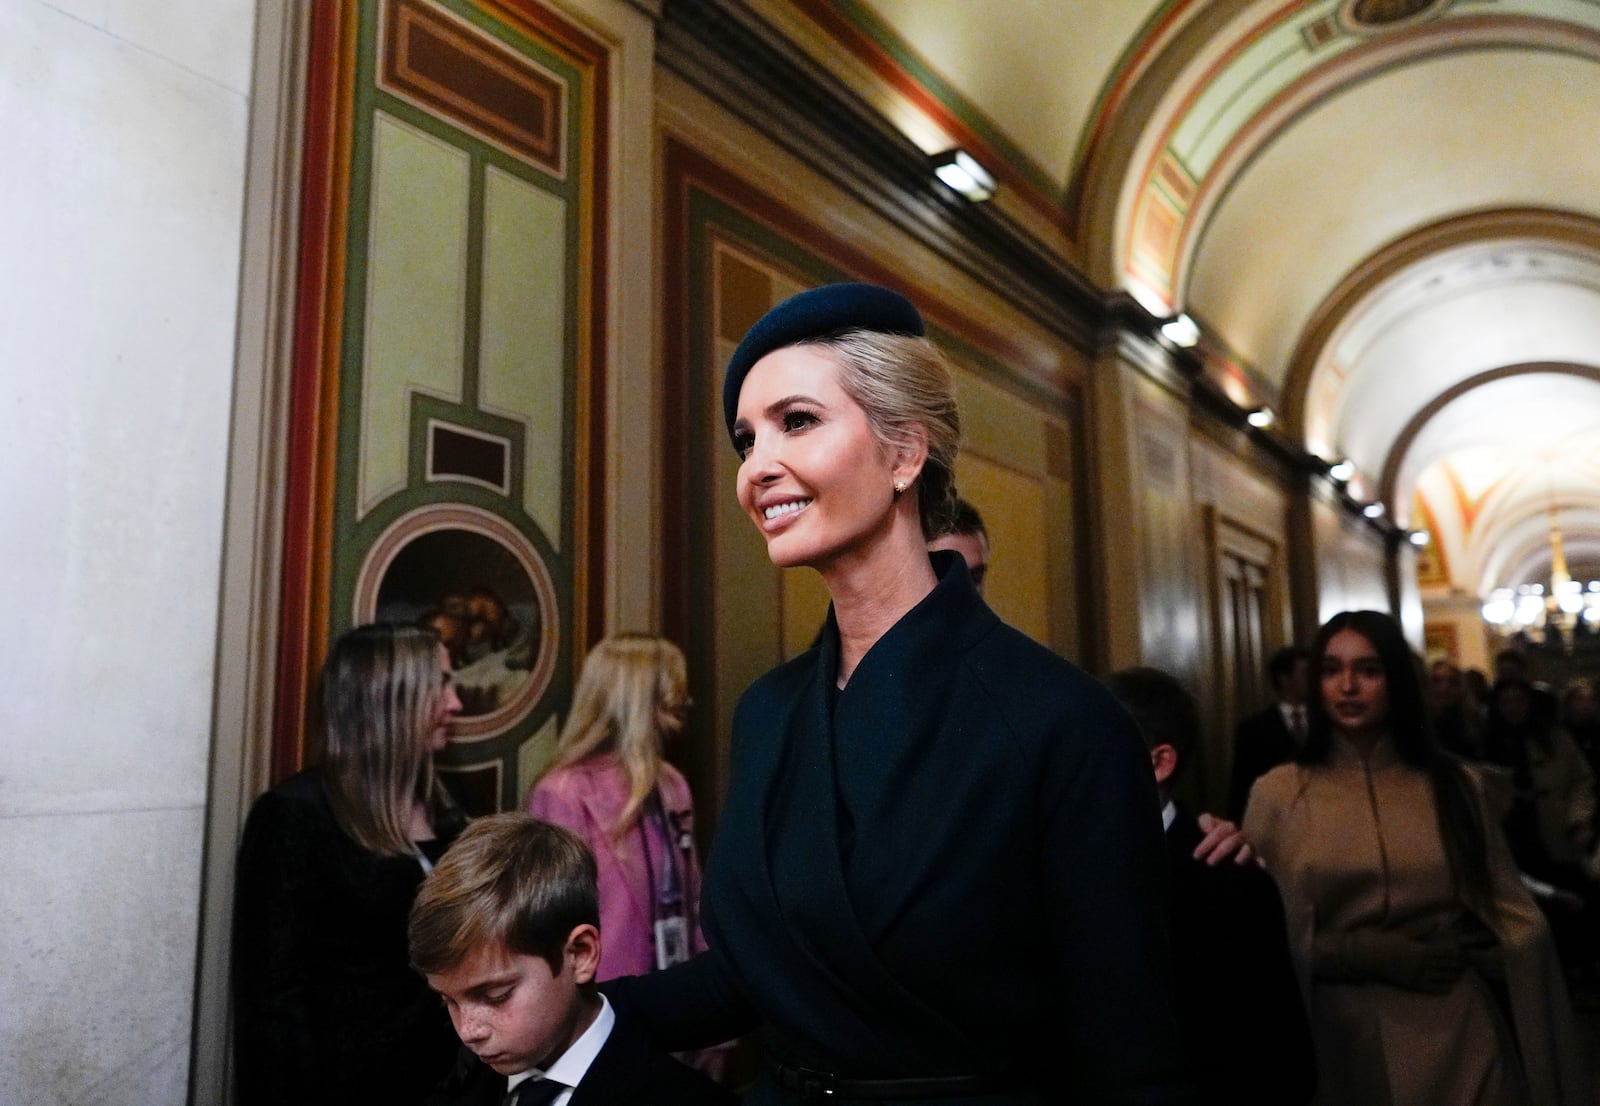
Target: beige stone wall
pixel 125 152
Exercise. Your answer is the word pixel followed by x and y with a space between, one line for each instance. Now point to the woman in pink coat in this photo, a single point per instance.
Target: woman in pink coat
pixel 609 784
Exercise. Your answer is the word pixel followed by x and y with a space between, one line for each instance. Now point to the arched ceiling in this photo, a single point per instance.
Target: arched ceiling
pixel 1353 173
pixel 1280 170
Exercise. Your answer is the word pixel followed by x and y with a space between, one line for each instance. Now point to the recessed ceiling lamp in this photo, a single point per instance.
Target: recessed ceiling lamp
pixel 1181 331
pixel 1343 470
pixel 1419 538
pixel 961 171
pixel 1261 418
pixel 1373 510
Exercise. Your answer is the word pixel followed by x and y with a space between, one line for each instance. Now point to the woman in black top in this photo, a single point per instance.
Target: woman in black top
pixel 327 1008
pixel 939 873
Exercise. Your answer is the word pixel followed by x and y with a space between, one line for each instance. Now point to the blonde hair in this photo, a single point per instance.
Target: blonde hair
pixel 903 382
pixel 380 688
pixel 627 683
pixel 511 880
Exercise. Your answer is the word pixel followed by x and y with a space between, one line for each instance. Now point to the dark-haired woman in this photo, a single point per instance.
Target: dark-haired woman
pixel 1428 969
pixel 326 1006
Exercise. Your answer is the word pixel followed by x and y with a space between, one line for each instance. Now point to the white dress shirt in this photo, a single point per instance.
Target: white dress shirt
pixel 1292 714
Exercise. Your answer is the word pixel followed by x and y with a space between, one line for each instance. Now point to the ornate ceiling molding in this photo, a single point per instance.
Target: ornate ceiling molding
pixel 1198 117
pixel 740 61
pixel 1368 279
pixel 1395 459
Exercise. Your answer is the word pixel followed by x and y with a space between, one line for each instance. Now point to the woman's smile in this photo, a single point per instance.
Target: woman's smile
pixel 781 513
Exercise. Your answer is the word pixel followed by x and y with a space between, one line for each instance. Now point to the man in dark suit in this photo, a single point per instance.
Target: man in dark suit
pixel 1271 737
pixel 966 534
pixel 1238 1003
pixel 505 929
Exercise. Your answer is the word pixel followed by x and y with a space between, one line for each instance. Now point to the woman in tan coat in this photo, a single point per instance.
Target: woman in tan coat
pixel 1423 960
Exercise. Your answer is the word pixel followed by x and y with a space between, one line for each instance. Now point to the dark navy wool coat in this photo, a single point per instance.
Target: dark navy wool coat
pixel 953 866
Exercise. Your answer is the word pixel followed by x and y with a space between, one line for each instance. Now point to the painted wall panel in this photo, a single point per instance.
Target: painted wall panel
pixel 1014 512
pixel 416 294
pixel 1169 592
pixel 996 423
pixel 458 165
pixel 522 352
pixel 1350 564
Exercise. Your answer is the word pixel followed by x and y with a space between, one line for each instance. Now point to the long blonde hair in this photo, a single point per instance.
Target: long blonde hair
pixel 380 688
pixel 632 690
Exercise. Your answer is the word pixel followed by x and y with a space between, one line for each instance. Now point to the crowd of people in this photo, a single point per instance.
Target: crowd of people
pixel 949 868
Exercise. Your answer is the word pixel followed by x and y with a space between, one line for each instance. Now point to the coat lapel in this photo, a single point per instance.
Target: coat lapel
pixel 885 716
pixel 619 1074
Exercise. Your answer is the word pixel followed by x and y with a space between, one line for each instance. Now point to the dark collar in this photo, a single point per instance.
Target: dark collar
pixel 947 620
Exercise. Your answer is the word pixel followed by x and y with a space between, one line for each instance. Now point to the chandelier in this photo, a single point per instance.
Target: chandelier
pixel 1534 609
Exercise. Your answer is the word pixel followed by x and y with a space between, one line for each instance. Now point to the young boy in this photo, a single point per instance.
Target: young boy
pixel 506 930
pixel 1233 973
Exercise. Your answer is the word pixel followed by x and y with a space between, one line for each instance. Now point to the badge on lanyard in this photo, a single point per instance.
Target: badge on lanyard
pixel 667 885
pixel 672 941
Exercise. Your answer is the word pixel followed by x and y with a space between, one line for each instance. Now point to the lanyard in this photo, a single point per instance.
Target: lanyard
pixel 666 897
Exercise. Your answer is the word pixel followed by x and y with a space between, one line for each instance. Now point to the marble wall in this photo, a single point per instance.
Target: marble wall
pixel 124 147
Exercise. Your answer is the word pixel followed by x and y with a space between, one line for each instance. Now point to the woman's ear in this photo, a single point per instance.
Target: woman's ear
pixel 910 453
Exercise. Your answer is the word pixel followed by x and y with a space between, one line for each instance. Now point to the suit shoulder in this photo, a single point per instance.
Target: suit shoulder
pixel 1280 783
pixel 1273 797
pixel 1032 683
pixel 300 799
pixel 566 780
pixel 779 685
pixel 673 1083
pixel 630 1070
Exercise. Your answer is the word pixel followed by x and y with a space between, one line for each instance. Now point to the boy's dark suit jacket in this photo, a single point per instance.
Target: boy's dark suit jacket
pixel 1239 1004
pixel 1261 742
pixel 627 1072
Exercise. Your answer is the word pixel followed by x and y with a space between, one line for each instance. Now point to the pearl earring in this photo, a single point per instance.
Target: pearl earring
pixel 900 487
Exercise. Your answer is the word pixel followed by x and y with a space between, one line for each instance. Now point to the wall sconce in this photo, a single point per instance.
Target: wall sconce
pixel 1181 331
pixel 1373 510
pixel 1261 418
pixel 1343 470
pixel 961 171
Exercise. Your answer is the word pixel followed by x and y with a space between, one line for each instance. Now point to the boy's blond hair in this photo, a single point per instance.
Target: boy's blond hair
pixel 511 880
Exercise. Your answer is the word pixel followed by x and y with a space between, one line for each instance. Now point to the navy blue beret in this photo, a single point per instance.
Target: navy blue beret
pixel 810 316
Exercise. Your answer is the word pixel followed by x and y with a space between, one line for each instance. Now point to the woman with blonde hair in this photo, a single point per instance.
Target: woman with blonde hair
pixel 326 1006
pixel 609 784
pixel 938 874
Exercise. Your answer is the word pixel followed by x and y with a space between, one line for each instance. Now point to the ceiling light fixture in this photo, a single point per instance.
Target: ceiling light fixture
pixel 1419 538
pixel 1181 331
pixel 1373 510
pixel 1343 470
pixel 961 171
pixel 1261 418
